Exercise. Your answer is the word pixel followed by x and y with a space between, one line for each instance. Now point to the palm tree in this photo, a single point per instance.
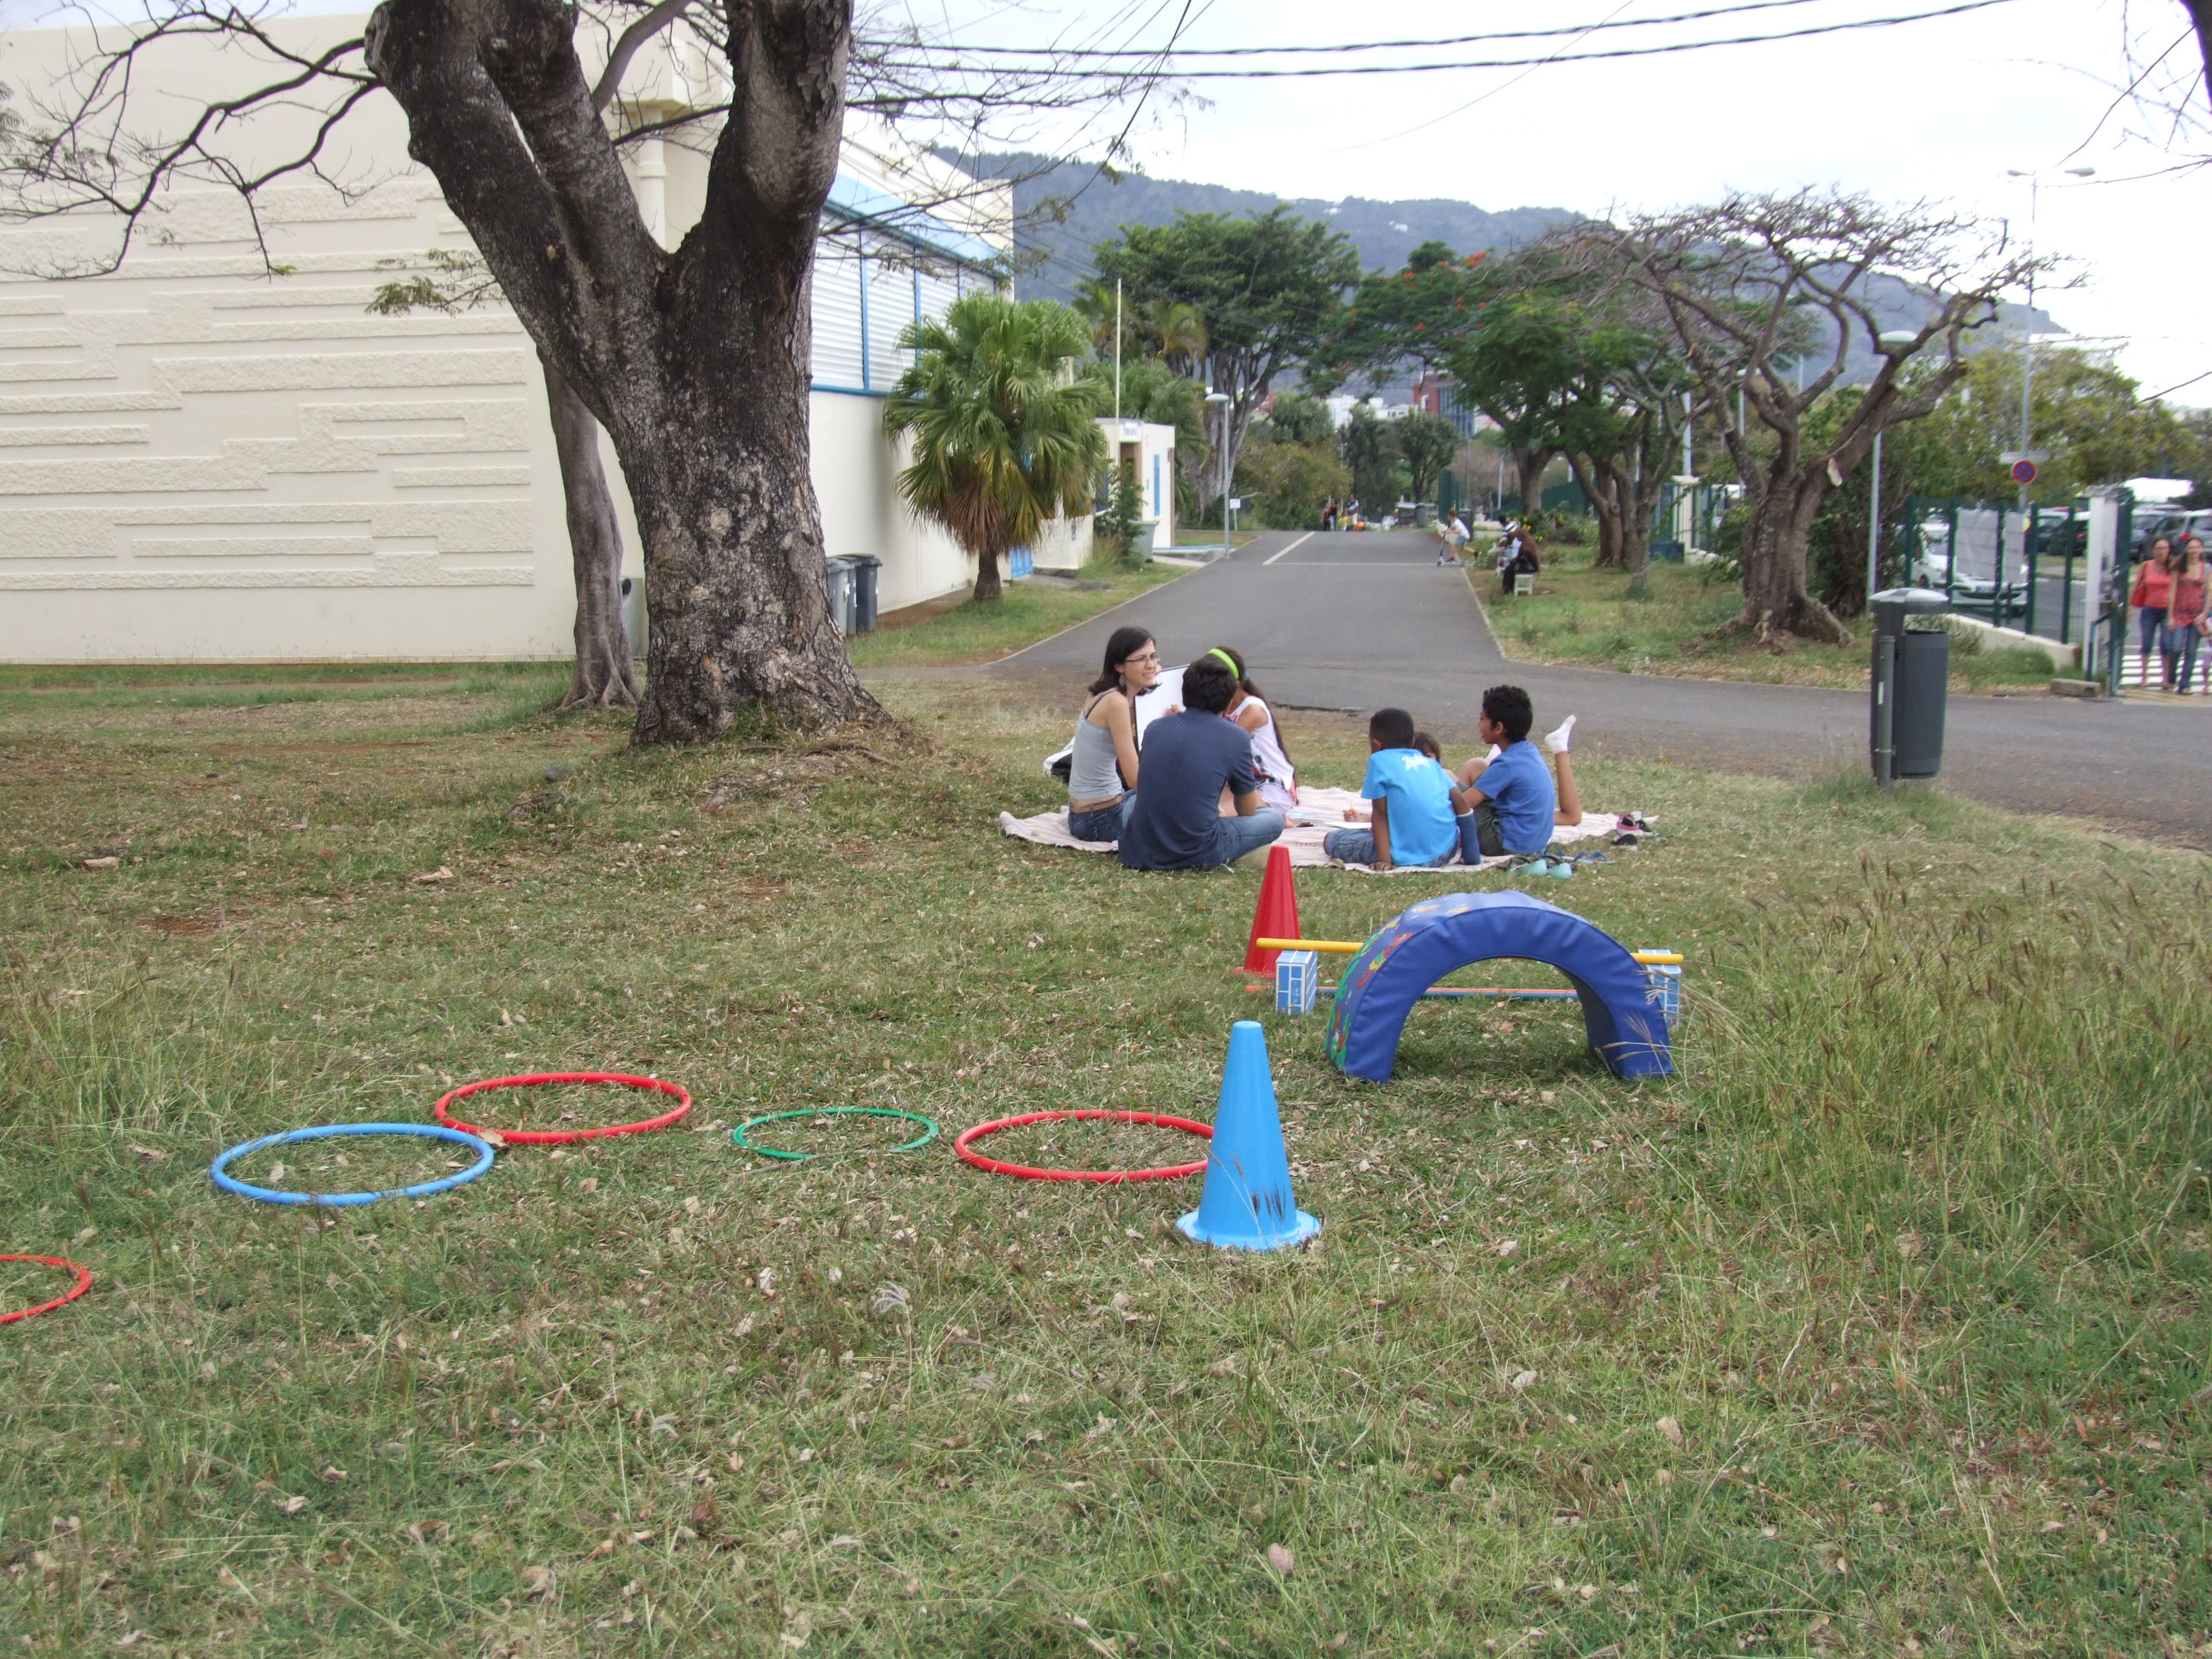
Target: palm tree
pixel 1003 412
pixel 1175 332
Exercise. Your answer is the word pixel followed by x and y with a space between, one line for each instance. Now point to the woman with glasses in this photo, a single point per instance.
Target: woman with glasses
pixel 1102 774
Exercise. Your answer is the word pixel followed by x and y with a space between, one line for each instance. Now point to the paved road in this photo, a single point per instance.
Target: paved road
pixel 1353 622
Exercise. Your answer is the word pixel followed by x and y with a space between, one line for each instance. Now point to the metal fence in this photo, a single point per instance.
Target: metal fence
pixel 1687 518
pixel 2022 570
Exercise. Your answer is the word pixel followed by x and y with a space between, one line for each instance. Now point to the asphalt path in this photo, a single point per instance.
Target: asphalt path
pixel 1353 622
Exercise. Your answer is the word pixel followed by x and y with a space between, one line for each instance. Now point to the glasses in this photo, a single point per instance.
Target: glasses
pixel 1141 658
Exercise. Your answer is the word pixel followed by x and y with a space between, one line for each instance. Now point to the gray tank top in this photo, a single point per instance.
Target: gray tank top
pixel 1094 773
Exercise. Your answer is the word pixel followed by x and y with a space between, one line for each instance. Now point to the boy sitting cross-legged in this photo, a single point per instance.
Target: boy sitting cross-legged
pixel 1506 802
pixel 1414 822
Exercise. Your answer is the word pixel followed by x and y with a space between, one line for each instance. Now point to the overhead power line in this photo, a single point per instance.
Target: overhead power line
pixel 944 65
pixel 1058 52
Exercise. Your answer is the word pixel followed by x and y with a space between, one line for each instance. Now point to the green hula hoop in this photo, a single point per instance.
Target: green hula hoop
pixel 928 1129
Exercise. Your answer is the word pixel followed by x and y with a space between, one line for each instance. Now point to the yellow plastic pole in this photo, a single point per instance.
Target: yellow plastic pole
pixel 1342 947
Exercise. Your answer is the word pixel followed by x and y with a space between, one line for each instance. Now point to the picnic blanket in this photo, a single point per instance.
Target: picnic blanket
pixel 1318 812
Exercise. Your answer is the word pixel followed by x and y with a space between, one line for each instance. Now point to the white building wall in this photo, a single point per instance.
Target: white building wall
pixel 201 460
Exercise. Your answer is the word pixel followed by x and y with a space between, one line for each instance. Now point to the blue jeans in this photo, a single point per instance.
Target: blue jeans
pixel 2181 651
pixel 1101 822
pixel 1357 846
pixel 1242 836
pixel 1480 835
pixel 2150 622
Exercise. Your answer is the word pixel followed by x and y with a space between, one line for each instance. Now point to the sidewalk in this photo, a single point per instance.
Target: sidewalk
pixel 2140 675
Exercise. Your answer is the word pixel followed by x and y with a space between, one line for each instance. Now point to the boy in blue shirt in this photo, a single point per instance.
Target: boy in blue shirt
pixel 1414 822
pixel 1507 804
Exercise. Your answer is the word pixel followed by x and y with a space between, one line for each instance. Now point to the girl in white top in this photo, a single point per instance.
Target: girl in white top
pixel 1278 778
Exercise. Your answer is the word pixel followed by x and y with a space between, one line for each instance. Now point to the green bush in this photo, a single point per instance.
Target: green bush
pixel 1284 484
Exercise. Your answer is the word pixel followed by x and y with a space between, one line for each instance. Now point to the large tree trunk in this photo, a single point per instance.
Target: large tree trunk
pixel 988 588
pixel 695 360
pixel 737 586
pixel 602 674
pixel 1529 465
pixel 1776 605
pixel 1596 478
pixel 1638 501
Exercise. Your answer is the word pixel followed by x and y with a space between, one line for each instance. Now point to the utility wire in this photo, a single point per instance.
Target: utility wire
pixel 943 67
pixel 1360 45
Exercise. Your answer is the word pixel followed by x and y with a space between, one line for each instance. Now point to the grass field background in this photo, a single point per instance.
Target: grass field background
pixel 1881 1328
pixel 1581 614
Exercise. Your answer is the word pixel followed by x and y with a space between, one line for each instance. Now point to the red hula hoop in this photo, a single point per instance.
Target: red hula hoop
pixel 83 1283
pixel 561 1137
pixel 1171 1172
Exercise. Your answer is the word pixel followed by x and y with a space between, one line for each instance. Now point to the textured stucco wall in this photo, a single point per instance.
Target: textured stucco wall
pixel 199 459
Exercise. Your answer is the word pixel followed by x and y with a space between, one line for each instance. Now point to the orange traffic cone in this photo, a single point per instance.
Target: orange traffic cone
pixel 1277 916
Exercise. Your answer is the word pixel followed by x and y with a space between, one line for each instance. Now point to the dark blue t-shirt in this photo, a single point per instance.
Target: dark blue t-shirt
pixel 1176 822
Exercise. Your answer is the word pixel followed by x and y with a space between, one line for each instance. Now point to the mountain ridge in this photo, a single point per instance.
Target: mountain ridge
pixel 1098 204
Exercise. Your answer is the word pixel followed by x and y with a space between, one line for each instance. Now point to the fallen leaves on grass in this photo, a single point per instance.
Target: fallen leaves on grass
pixel 288 1505
pixel 538 1582
pixel 1281 1559
pixel 1670 1430
pixel 431 878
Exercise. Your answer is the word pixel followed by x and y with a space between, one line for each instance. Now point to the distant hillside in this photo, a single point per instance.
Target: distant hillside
pixel 1384 232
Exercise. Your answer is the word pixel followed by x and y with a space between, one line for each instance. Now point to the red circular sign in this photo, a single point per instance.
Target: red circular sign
pixel 2023 472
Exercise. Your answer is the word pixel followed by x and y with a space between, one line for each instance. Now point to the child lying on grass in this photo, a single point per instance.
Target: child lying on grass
pixel 1506 800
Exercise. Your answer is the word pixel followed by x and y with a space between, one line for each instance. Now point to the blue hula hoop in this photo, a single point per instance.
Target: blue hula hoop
pixel 229 1183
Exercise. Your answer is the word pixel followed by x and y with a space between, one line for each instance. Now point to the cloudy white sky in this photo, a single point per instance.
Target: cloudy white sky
pixel 1939 110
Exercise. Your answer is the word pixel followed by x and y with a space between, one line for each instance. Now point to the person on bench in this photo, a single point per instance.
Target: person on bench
pixel 1173 820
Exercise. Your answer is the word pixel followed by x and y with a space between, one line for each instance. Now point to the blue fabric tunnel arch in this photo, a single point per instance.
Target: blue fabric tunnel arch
pixel 1415 949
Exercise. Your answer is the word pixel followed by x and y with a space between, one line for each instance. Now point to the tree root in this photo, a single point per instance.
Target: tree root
pixel 613 695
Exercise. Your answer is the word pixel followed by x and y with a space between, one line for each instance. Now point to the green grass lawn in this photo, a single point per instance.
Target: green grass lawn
pixel 972 633
pixel 1879 1329
pixel 1581 614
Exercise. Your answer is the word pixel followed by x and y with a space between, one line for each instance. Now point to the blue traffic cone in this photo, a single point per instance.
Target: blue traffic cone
pixel 1246 1204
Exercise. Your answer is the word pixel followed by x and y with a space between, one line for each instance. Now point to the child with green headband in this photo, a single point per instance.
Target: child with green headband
pixel 1271 760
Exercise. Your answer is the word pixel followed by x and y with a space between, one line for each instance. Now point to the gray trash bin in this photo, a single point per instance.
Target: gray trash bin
pixel 841 587
pixel 1911 679
pixel 865 566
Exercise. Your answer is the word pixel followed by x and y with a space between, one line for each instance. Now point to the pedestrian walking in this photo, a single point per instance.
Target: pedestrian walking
pixel 2184 617
pixel 2154 583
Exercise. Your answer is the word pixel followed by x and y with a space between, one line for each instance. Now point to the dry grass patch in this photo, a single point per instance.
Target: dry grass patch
pixel 1881 1324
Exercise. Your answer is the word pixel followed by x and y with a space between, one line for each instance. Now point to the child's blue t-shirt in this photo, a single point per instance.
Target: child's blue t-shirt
pixel 1518 786
pixel 1422 830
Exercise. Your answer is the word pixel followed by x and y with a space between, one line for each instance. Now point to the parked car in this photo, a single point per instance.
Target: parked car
pixel 2153 520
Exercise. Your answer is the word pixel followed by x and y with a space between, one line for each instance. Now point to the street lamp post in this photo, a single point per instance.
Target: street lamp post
pixel 1222 398
pixel 1895 339
pixel 2028 342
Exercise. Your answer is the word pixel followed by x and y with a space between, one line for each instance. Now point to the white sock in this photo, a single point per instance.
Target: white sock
pixel 1556 741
